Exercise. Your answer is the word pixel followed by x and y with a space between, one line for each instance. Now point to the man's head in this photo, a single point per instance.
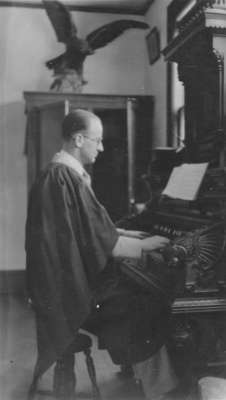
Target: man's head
pixel 82 133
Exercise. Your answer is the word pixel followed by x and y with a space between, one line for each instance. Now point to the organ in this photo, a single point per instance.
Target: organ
pixel 196 43
pixel 197 257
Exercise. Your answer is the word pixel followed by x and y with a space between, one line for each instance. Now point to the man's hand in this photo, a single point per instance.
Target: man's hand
pixel 154 242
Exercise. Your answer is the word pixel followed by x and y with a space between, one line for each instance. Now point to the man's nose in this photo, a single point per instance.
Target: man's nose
pixel 100 147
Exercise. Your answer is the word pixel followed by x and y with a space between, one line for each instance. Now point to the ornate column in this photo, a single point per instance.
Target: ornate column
pixel 199 49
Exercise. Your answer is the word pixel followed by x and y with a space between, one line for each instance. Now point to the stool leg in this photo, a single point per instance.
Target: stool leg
pixel 92 374
pixel 64 378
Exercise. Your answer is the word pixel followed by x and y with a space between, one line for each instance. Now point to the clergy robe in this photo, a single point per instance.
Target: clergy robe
pixel 73 281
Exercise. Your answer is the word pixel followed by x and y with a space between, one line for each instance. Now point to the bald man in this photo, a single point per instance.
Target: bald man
pixel 73 281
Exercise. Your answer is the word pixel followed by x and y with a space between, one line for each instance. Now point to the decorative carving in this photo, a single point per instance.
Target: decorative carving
pixel 204 248
pixel 200 12
pixel 201 69
pixel 208 14
pixel 200 339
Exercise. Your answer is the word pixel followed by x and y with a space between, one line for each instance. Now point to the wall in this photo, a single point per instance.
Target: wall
pixel 27 40
pixel 156 77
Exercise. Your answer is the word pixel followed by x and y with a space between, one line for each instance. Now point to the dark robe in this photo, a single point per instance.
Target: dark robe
pixel 72 280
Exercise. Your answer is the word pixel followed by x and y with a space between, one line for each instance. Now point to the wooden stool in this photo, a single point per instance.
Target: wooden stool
pixel 64 379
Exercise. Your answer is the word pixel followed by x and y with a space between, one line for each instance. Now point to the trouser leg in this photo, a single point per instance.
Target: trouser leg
pixel 156 375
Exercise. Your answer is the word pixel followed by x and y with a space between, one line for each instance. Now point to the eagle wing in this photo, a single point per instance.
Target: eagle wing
pixel 61 20
pixel 106 33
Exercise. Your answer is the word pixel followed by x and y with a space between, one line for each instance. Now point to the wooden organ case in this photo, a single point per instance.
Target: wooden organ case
pixel 197 43
pixel 198 46
pixel 199 310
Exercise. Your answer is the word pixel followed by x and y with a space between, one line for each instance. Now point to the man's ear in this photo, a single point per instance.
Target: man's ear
pixel 78 140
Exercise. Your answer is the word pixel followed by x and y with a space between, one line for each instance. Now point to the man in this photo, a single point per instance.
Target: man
pixel 72 279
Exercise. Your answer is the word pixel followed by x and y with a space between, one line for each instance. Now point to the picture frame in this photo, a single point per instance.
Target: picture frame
pixel 153 45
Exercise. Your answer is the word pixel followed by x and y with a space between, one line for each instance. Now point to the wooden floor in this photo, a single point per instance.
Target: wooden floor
pixel 18 354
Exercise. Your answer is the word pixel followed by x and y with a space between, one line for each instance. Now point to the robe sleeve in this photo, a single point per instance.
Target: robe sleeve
pixel 90 224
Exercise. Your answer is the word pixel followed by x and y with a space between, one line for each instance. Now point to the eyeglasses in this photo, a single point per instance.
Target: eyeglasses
pixel 98 141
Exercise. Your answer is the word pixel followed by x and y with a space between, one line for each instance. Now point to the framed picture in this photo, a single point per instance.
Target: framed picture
pixel 153 45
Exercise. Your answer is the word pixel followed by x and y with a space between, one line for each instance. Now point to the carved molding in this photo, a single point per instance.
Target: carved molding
pixel 209 15
pixel 192 63
pixel 200 340
pixel 211 12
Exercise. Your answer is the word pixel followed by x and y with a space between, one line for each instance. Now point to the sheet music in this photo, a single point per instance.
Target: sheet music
pixel 185 180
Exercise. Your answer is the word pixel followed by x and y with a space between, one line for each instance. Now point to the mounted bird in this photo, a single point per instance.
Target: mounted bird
pixel 68 67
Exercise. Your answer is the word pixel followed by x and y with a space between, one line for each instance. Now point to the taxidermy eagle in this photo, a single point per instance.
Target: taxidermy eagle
pixel 68 67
